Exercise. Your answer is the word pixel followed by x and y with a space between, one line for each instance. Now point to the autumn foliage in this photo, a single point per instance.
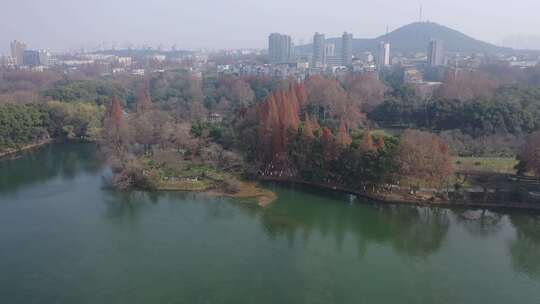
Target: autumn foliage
pixel 343 137
pixel 116 133
pixel 280 126
pixel 465 85
pixel 424 159
pixel 367 142
pixel 115 114
pixel 144 103
pixel 301 93
pixel 279 116
pixel 366 91
pixel 330 102
pixel 310 127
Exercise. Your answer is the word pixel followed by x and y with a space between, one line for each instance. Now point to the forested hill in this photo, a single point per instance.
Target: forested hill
pixel 415 37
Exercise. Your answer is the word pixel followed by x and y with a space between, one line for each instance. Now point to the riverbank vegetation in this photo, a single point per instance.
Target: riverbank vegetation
pixel 288 136
pixel 24 125
pixel 176 130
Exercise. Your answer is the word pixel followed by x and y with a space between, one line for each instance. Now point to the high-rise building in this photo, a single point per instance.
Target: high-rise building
pixel 346 49
pixel 7 61
pixel 31 58
pixel 319 51
pixel 330 55
pixel 435 53
pixel 384 55
pixel 330 50
pixel 17 52
pixel 44 57
pixel 280 48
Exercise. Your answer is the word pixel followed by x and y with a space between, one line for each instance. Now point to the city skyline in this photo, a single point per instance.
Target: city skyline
pixel 242 24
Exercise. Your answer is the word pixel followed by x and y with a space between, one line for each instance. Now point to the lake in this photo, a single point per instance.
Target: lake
pixel 66 239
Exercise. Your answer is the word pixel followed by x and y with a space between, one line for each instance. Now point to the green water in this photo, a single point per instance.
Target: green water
pixel 63 239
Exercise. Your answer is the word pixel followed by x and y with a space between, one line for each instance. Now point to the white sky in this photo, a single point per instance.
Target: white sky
pixel 63 24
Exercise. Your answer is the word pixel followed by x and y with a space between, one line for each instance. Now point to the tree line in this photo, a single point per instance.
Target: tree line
pixel 24 124
pixel 511 110
pixel 320 130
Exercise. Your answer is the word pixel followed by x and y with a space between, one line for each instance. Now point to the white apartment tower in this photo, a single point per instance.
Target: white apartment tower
pixel 384 55
pixel 17 52
pixel 435 53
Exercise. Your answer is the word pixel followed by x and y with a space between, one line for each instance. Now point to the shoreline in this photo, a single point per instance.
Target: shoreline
pixel 248 190
pixel 381 199
pixel 11 152
pixel 265 197
pixel 251 189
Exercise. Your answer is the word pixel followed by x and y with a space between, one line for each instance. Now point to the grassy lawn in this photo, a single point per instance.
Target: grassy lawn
pixel 193 170
pixel 486 164
pixel 185 185
pixel 184 179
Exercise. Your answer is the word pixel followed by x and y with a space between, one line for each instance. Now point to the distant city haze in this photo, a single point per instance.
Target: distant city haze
pixel 71 24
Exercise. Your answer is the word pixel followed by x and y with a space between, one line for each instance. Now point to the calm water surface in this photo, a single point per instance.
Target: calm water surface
pixel 63 239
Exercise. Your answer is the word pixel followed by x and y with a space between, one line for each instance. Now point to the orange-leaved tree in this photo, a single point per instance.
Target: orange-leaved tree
pixel 424 159
pixel 116 130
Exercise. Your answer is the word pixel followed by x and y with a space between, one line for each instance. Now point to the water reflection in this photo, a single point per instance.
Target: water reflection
pixel 120 204
pixel 418 232
pixel 47 162
pixel 483 222
pixel 525 249
pixel 411 231
pixel 298 215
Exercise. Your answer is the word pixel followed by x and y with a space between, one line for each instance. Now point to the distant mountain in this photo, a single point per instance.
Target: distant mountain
pixel 415 38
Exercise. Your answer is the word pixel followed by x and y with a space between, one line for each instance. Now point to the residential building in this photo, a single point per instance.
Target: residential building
pixel 44 57
pixel 137 72
pixel 319 51
pixel 7 61
pixel 31 58
pixel 331 59
pixel 124 61
pixel 384 55
pixel 330 50
pixel 17 52
pixel 346 49
pixel 116 71
pixel 435 53
pixel 367 57
pixel 157 57
pixel 280 48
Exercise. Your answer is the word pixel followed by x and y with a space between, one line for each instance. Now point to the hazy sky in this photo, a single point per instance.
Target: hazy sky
pixel 63 24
